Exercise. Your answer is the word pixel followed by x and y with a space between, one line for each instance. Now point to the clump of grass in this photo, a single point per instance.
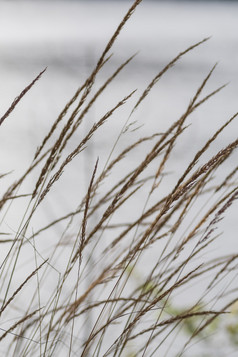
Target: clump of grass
pixel 109 287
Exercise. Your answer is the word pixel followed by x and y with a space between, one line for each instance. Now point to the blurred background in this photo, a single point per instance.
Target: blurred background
pixel 67 37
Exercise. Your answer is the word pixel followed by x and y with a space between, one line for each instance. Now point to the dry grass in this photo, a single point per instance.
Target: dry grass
pixel 116 289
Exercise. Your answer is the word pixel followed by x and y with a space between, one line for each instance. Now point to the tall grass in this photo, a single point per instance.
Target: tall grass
pixel 127 272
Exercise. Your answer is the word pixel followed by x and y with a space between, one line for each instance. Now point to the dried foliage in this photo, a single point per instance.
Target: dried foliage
pixel 116 289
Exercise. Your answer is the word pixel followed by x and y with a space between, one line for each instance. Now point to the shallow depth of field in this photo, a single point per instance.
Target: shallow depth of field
pixel 118 179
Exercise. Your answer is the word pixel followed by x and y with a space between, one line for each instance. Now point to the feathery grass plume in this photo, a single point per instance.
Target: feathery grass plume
pixel 65 111
pixel 179 317
pixel 165 69
pixel 20 287
pixel 21 95
pixel 58 120
pixel 84 223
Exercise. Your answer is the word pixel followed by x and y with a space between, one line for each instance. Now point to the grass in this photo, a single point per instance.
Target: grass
pixel 108 278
